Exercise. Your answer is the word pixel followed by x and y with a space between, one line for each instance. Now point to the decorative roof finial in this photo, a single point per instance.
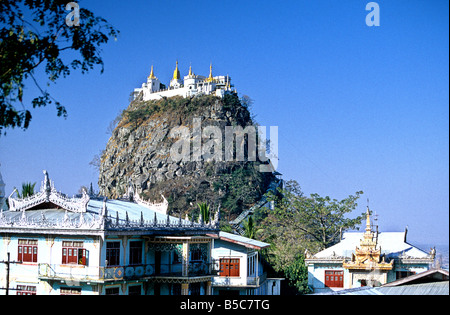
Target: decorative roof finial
pixel 210 78
pixel 176 73
pixel 368 227
pixel 152 75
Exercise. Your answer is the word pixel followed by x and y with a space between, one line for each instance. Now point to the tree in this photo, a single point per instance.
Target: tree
pixel 27 190
pixel 204 211
pixel 35 33
pixel 297 275
pixel 300 223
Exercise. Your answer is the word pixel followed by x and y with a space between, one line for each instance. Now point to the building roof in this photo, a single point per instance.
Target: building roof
pixel 53 211
pixel 241 240
pixel 392 244
pixel 432 275
pixel 431 288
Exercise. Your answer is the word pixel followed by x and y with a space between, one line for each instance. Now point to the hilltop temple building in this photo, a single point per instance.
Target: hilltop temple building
pixel 191 85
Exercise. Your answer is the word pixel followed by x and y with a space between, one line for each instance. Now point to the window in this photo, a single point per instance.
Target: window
pixel 135 253
pixel 229 267
pixel 196 254
pixel 195 288
pixel 404 274
pixel 74 253
pixel 334 279
pixel 70 291
pixel 112 291
pixel 251 266
pixel 26 290
pixel 113 253
pixel 135 290
pixel 27 250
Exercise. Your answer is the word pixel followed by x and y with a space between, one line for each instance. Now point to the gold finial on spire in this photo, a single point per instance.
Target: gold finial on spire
pixel 176 73
pixel 368 227
pixel 210 78
pixel 152 75
pixel 190 71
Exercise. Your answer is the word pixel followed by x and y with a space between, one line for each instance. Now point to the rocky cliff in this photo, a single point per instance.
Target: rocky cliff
pixel 139 154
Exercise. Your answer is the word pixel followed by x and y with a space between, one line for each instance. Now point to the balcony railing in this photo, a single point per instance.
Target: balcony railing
pixel 147 271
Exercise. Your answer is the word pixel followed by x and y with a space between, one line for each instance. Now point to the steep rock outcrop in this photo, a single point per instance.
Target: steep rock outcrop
pixel 138 154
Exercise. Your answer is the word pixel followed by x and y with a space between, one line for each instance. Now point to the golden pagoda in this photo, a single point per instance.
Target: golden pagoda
pixel 176 73
pixel 152 75
pixel 210 78
pixel 367 256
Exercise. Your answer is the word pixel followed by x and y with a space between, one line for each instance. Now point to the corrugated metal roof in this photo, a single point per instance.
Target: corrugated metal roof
pixel 432 288
pixel 244 241
pixel 133 209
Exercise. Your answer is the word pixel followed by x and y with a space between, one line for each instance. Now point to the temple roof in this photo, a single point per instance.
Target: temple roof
pixel 49 209
pixel 392 244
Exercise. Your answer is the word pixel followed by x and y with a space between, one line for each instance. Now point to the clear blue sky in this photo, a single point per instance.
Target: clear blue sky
pixel 358 107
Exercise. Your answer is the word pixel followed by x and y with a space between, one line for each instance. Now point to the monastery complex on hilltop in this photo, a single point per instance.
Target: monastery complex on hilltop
pixel 192 85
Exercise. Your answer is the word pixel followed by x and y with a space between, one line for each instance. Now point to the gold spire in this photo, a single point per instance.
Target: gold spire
pixel 368 228
pixel 152 75
pixel 210 78
pixel 190 71
pixel 176 73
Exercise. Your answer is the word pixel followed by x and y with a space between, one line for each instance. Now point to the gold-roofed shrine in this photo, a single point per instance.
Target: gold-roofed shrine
pixel 368 255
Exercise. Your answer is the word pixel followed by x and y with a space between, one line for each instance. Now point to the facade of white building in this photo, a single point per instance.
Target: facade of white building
pixel 92 246
pixel 84 245
pixel 241 271
pixel 191 85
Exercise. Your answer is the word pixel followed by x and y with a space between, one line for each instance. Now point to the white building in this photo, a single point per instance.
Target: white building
pixel 192 85
pixel 364 259
pixel 88 246
pixel 92 246
pixel 241 271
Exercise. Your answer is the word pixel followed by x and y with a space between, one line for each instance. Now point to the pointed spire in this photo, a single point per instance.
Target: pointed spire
pixel 152 75
pixel 47 186
pixel 176 73
pixel 210 78
pixel 141 222
pixel 190 71
pixel 368 227
pixel 104 208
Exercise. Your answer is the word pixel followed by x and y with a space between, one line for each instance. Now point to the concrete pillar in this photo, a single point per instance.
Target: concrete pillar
pixel 185 271
pixel 185 289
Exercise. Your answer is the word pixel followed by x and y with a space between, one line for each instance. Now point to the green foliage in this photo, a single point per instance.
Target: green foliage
pixel 204 211
pixel 249 228
pixel 320 220
pixel 27 190
pixel 297 275
pixel 242 187
pixel 40 39
pixel 299 223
